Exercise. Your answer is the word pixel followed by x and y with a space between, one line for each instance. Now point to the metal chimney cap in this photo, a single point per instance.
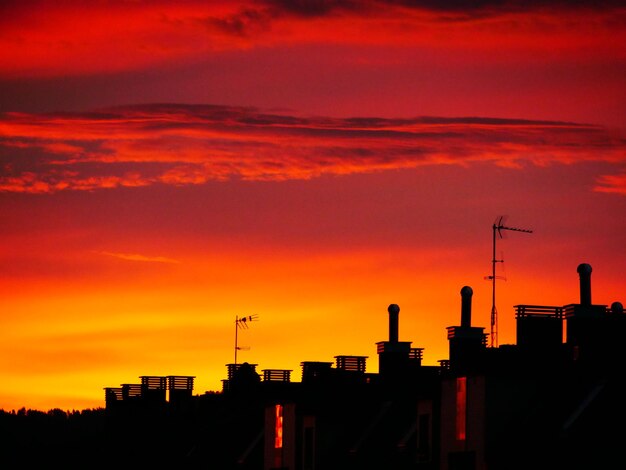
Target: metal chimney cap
pixel 584 268
pixel 466 291
pixel 393 308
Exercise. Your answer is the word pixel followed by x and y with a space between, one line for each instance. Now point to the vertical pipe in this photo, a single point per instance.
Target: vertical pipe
pixel 584 273
pixel 466 306
pixel 393 310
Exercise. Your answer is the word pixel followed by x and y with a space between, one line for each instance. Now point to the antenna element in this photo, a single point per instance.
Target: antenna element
pixel 243 324
pixel 497 228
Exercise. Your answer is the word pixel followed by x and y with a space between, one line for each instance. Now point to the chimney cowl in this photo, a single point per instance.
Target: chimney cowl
pixel 467 291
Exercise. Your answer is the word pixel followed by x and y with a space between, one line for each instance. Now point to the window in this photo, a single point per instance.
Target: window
pixel 278 427
pixel 423 440
pixel 308 448
pixel 461 407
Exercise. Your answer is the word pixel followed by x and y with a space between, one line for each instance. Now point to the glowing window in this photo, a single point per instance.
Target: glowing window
pixel 461 407
pixel 278 427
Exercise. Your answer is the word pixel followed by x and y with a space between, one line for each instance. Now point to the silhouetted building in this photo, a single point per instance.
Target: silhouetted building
pixel 552 400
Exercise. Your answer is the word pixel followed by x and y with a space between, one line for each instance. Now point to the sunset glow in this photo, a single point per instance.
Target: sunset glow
pixel 168 166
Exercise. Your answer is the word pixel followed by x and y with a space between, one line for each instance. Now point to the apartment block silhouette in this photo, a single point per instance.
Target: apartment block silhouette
pixel 552 400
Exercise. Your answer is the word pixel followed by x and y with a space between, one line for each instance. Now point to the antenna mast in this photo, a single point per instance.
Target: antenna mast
pixel 241 323
pixel 497 227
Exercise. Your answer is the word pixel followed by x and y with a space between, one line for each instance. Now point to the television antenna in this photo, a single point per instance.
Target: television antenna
pixel 243 324
pixel 497 228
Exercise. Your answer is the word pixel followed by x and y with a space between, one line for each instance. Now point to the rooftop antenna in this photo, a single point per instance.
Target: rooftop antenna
pixel 243 324
pixel 497 228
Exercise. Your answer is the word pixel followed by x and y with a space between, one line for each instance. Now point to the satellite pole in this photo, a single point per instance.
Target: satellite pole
pixel 241 323
pixel 497 227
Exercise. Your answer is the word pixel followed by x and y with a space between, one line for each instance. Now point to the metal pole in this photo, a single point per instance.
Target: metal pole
pixel 494 312
pixel 494 326
pixel 236 328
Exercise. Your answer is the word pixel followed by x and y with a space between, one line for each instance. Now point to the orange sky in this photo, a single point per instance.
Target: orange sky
pixel 167 167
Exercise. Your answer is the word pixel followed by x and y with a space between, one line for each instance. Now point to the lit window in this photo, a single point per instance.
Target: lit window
pixel 461 407
pixel 278 429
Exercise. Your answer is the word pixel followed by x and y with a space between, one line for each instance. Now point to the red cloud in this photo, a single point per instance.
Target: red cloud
pixel 185 144
pixel 612 184
pixel 45 38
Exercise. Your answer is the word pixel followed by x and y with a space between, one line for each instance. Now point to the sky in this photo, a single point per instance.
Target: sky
pixel 169 167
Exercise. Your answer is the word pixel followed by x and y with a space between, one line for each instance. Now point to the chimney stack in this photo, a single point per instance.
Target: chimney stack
pixel 393 310
pixel 467 342
pixel 584 272
pixel 466 306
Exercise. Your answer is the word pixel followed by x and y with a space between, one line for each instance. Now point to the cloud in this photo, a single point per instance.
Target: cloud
pixel 139 257
pixel 612 184
pixel 52 39
pixel 177 144
pixel 316 8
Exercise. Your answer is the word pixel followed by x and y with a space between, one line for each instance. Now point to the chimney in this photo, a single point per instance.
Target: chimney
pixel 584 272
pixel 467 342
pixel 466 306
pixel 393 310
